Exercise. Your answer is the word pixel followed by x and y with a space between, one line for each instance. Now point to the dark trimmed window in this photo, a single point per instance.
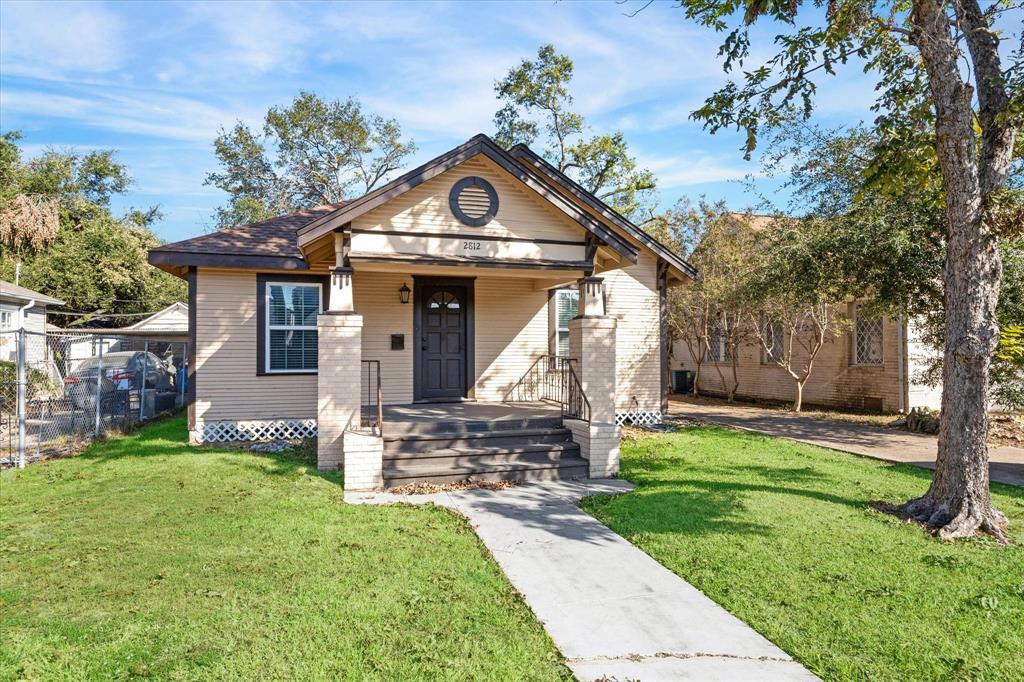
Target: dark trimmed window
pixel 290 329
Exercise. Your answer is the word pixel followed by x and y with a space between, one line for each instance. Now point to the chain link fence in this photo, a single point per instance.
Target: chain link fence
pixel 60 390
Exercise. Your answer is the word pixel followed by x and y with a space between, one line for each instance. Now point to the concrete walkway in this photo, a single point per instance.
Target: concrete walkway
pixel 1006 464
pixel 614 612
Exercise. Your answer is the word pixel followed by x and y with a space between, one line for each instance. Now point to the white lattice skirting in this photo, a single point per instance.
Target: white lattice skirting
pixel 294 429
pixel 638 417
pixel 274 429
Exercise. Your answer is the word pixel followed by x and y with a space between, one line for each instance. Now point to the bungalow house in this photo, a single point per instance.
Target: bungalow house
pixel 480 316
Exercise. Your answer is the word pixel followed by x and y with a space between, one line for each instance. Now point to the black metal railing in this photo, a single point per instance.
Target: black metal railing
pixel 371 407
pixel 552 379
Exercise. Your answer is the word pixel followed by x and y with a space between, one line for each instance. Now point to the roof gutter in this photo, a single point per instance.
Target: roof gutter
pixel 21 313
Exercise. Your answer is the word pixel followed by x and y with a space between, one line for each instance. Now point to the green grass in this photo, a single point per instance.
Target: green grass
pixel 144 558
pixel 781 535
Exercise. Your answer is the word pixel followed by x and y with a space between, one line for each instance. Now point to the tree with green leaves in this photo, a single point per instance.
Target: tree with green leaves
pixel 885 242
pixel 55 220
pixel 711 314
pixel 309 153
pixel 537 108
pixel 795 296
pixel 946 102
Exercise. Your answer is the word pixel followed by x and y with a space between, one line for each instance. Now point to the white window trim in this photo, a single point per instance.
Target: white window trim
pixel 854 360
pixel 6 320
pixel 267 328
pixel 567 293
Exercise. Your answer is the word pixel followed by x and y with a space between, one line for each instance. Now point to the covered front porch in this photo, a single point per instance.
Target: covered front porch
pixel 457 392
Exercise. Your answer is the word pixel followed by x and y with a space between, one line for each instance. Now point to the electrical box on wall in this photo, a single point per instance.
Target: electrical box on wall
pixel 398 342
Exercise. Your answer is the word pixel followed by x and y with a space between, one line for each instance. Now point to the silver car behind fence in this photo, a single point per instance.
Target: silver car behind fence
pixel 60 390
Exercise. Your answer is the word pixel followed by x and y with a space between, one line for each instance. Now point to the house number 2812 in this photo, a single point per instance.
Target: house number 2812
pixel 471 246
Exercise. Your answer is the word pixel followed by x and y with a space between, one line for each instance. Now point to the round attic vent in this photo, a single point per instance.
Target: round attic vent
pixel 473 201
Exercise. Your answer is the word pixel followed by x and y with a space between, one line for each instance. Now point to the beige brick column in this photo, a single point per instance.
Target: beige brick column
pixel 592 345
pixel 339 344
pixel 340 442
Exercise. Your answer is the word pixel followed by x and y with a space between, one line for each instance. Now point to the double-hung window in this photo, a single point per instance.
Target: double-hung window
pixel 290 334
pixel 6 320
pixel 566 305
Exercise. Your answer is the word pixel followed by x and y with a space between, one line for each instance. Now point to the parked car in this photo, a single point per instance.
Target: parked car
pixel 120 384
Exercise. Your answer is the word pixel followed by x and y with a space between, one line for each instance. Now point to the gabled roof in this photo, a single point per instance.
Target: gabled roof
pixel 476 145
pixel 527 155
pixel 176 307
pixel 269 243
pixel 10 290
pixel 278 243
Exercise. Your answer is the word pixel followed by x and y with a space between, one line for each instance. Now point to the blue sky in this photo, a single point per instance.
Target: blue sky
pixel 155 81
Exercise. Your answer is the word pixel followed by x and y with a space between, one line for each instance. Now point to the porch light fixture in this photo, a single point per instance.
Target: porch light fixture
pixel 403 293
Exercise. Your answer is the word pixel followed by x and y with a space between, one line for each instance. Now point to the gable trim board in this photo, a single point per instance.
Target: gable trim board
pixel 525 154
pixel 477 145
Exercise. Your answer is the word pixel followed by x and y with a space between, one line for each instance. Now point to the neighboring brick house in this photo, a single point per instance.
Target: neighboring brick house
pixel 875 366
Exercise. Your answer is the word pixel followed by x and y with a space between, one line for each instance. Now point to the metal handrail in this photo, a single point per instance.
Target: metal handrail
pixel 551 378
pixel 371 404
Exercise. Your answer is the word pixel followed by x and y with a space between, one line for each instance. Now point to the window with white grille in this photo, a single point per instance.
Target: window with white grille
pixel 718 350
pixel 291 326
pixel 566 305
pixel 867 338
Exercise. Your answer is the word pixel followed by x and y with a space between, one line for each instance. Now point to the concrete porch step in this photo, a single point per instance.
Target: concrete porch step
pixel 395 443
pixel 482 456
pixel 566 468
pixel 442 425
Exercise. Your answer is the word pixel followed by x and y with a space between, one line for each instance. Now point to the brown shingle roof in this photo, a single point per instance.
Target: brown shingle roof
pixel 275 237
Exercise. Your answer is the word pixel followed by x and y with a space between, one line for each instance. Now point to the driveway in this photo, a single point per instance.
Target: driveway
pixel 1006 464
pixel 614 612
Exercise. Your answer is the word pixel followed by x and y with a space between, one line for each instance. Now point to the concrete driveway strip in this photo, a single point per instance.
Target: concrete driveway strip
pixel 613 611
pixel 1006 464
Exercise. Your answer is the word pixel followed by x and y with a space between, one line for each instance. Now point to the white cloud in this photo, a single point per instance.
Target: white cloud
pixel 140 113
pixel 257 37
pixel 697 168
pixel 50 39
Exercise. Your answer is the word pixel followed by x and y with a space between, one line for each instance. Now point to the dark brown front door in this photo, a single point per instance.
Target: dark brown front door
pixel 442 341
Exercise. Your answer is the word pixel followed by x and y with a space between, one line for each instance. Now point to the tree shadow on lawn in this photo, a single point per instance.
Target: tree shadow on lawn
pixel 708 499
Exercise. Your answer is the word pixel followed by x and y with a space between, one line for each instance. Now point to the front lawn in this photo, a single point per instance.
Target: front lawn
pixel 144 558
pixel 781 535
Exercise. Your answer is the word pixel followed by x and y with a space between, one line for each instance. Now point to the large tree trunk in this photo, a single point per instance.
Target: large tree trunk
pixel 958 503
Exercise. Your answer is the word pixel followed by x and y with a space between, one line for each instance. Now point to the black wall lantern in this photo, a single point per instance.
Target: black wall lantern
pixel 403 293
